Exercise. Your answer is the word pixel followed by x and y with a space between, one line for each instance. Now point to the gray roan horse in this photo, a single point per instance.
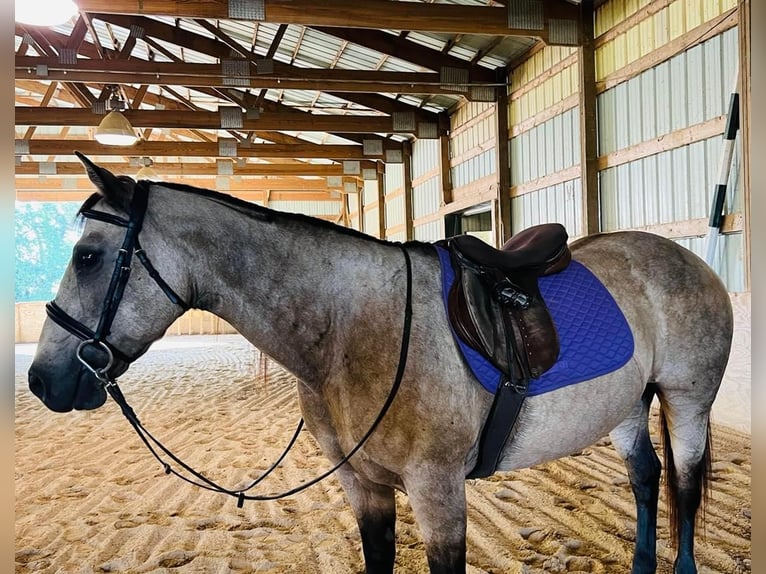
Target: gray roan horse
pixel 327 303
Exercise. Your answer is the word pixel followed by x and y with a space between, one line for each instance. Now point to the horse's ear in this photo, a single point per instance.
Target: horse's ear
pixel 118 191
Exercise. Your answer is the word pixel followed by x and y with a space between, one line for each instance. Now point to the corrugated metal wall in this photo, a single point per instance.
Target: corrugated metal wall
pixel 426 191
pixel 473 133
pixel 545 141
pixel 660 122
pixel 324 209
pixel 371 207
pixel 394 188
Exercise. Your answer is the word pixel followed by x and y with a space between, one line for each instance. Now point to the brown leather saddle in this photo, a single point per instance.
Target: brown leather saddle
pixel 495 306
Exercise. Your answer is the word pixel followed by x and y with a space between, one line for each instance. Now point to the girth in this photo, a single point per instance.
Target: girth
pixel 496 308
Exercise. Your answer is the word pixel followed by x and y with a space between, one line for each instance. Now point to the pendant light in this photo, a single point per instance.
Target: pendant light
pixel 44 12
pixel 115 129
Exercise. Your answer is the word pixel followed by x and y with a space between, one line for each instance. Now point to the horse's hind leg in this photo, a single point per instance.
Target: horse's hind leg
pixel 686 437
pixel 632 441
pixel 375 510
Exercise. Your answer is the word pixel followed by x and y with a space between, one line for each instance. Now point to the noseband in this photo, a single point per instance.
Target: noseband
pixel 130 246
pixel 98 338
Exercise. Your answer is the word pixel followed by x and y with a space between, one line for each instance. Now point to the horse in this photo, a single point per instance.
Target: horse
pixel 327 303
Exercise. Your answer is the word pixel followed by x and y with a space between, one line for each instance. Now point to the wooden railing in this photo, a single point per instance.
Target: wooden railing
pixel 29 318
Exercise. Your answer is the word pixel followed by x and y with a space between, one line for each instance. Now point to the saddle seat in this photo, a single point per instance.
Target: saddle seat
pixel 541 247
pixel 495 304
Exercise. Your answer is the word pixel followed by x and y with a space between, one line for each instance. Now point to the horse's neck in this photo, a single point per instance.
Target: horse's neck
pixel 296 291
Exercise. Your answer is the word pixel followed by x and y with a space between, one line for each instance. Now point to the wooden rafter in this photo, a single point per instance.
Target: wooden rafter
pixel 212 120
pixel 198 168
pixel 284 77
pixel 201 149
pixel 374 14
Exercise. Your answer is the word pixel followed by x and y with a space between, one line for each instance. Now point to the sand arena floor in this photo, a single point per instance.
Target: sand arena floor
pixel 90 498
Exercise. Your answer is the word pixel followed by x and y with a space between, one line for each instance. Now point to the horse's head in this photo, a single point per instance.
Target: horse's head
pixel 108 310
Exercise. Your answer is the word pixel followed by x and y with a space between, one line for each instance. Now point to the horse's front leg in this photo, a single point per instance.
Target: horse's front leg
pixel 375 510
pixel 437 497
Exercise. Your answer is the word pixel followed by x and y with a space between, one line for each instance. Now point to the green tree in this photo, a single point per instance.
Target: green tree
pixel 45 235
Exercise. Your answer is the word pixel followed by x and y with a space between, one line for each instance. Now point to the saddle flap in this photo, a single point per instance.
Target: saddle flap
pixel 502 315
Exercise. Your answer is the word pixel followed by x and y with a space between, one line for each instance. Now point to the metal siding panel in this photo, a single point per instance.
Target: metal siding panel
pixel 575 199
pixel 648 104
pixel 550 147
pixel 713 89
pixel 558 139
pixel 606 122
pixel 695 79
pixel 661 28
pixel 575 115
pixel 665 187
pixel 676 23
pixel 515 160
pixel 636 194
pixel 568 155
pixel 621 112
pixel 693 14
pixel 646 37
pixel 698 187
pixel 680 175
pixel 369 192
pixel 531 156
pixel 663 90
pixel 678 101
pixel 622 197
pixel 734 197
pixel 608 203
pixel 651 194
pixel 394 177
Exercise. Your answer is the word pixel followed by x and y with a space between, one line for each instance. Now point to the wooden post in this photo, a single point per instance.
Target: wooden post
pixel 381 185
pixel 407 158
pixel 502 222
pixel 586 61
pixel 445 173
pixel 744 30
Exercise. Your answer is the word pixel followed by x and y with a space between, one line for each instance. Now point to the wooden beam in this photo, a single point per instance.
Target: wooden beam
pixel 445 173
pixel 380 185
pixel 586 59
pixel 283 183
pixel 195 169
pixel 744 123
pixel 408 217
pixel 28 116
pixel 284 76
pixel 684 136
pixel 258 195
pixel 399 47
pixel 375 14
pixel 504 220
pixel 47 147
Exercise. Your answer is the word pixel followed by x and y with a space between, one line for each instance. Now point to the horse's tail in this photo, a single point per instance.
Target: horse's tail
pixel 702 476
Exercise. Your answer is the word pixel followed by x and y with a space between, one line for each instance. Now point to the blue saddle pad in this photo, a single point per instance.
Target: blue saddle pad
pixel 594 336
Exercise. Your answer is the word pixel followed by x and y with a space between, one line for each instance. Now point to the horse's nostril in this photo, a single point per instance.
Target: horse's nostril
pixel 36 385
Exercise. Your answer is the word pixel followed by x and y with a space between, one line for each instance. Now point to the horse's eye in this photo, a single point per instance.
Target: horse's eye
pixel 85 260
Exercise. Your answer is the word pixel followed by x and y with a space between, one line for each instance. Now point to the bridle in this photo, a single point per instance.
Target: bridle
pixel 98 338
pixel 120 276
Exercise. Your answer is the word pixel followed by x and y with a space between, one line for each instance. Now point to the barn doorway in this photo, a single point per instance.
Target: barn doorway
pixel 476 221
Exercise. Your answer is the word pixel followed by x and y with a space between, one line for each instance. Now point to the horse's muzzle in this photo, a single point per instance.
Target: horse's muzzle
pixel 86 395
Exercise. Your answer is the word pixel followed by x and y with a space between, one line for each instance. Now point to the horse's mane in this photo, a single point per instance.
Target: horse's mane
pixel 256 211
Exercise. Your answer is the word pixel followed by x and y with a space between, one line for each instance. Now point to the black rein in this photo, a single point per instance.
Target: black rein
pixel 98 338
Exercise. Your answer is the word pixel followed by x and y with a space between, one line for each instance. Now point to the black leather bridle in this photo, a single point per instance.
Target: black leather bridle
pixel 130 246
pixel 98 338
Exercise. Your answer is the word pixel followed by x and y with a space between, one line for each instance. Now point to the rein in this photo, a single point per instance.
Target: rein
pixel 97 338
